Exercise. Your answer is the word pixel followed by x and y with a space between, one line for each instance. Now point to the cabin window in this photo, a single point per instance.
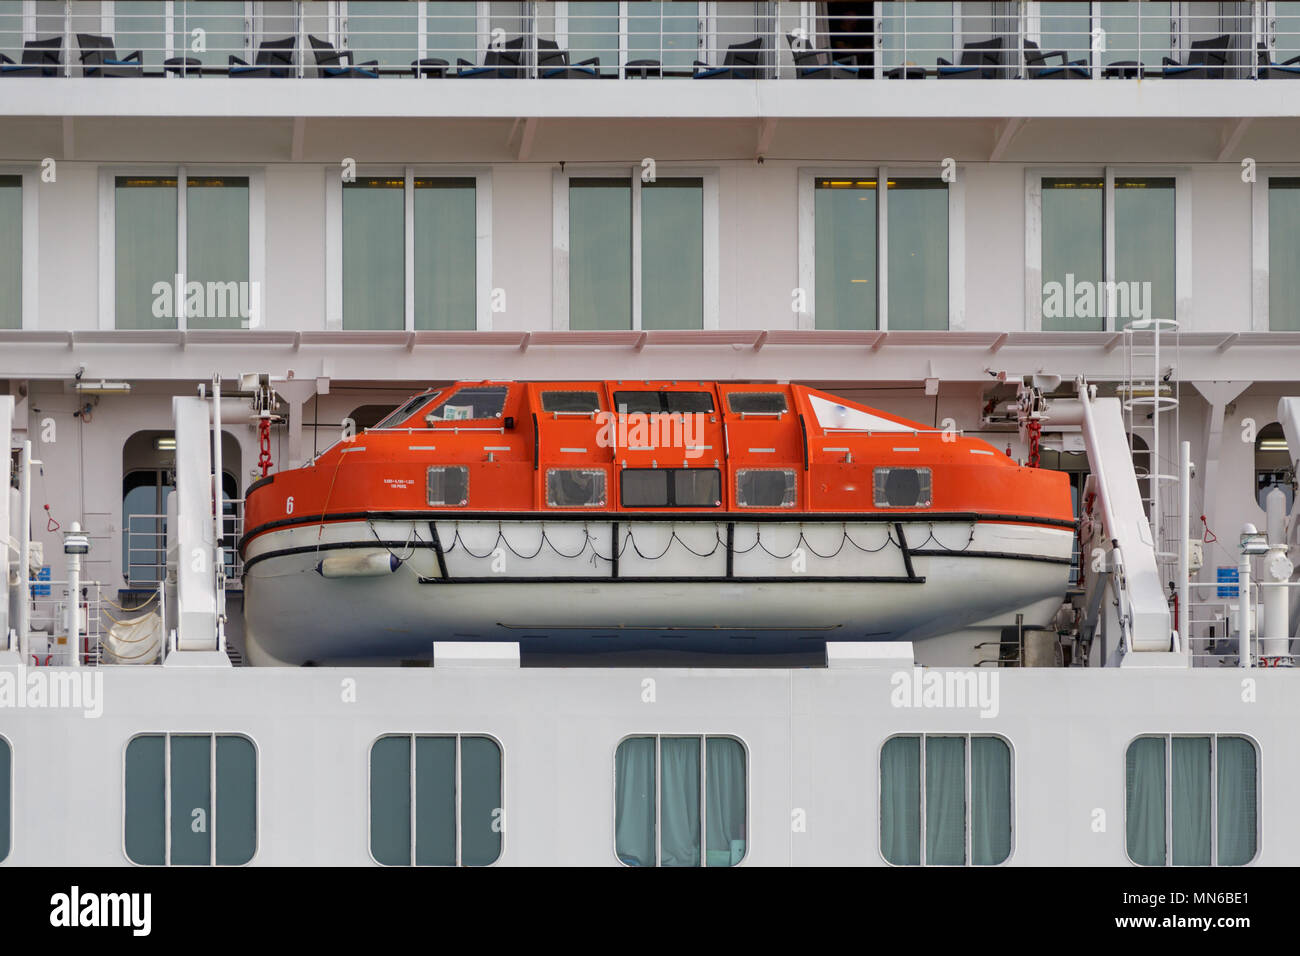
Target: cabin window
pixel 757 403
pixel 1191 801
pixel 448 485
pixel 1273 465
pixel 11 252
pixel 191 800
pixel 403 413
pixel 671 488
pixel 946 829
pixel 436 800
pixel 575 487
pixel 902 487
pixel 6 800
pixel 666 773
pixel 472 403
pixel 571 403
pixel 766 488
pixel 1283 241
pixel 659 403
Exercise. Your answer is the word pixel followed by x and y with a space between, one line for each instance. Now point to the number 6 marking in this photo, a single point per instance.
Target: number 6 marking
pixel 288 505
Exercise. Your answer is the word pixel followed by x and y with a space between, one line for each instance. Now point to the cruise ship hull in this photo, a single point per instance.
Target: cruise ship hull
pixel 743 590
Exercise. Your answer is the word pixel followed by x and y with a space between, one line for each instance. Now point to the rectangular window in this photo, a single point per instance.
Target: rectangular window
pixel 766 488
pixel 917 33
pixel 918 254
pixel 445 254
pixel 436 800
pixel 383 30
pixel 1066 27
pixel 946 829
pixel 1191 801
pixel 453 31
pixel 570 403
pixel 472 403
pixel 664 402
pixel 671 488
pixel 1283 253
pixel 1074 241
pixel 659 816
pixel 223 26
pixel 603 266
pixel 845 222
pixel 901 487
pixel 374 253
pixel 11 252
pixel 757 403
pixel 1137 32
pixel 1145 239
pixel 145 251
pixel 6 792
pixel 448 485
pixel 193 795
pixel 663 31
pixel 216 257
pixel 575 487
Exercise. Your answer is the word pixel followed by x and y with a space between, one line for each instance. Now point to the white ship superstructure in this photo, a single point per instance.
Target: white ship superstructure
pixel 217 264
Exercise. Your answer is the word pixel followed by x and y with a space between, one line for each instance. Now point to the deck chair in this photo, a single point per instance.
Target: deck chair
pixel 981 60
pixel 1038 68
pixel 40 58
pixel 506 63
pixel 553 63
pixel 1286 70
pixel 274 59
pixel 334 64
pixel 1207 59
pixel 98 58
pixel 740 63
pixel 812 64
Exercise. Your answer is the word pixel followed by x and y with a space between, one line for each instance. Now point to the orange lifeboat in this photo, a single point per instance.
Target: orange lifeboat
pixel 648 520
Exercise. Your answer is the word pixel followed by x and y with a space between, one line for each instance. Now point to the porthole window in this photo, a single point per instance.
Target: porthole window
pixel 575 487
pixel 448 485
pixel 902 487
pixel 766 488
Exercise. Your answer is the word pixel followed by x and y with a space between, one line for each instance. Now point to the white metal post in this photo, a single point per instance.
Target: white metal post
pixel 23 621
pixel 74 601
pixel 1243 610
pixel 1184 545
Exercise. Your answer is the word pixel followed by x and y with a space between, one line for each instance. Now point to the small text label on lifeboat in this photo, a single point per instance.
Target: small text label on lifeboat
pixel 949 690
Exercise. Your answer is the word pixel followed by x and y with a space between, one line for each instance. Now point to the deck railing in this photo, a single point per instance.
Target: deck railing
pixel 649 40
pixel 146 547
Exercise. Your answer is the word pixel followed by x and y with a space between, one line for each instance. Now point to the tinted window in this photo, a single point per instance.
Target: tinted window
pixel 697 488
pixel 765 488
pixel 575 487
pixel 407 410
pixel 448 485
pixel 651 403
pixel 643 403
pixel 584 402
pixel 645 488
pixel 671 488
pixel 757 403
pixel 485 401
pixel 902 487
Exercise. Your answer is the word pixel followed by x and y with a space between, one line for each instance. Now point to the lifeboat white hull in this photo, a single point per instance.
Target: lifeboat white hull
pixel 572 591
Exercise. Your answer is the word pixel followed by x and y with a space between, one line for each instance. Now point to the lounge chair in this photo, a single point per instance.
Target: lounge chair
pixel 334 64
pixel 740 63
pixel 1207 59
pixel 1037 67
pixel 40 58
pixel 507 63
pixel 1286 70
pixel 99 58
pixel 274 59
pixel 812 64
pixel 981 60
pixel 553 63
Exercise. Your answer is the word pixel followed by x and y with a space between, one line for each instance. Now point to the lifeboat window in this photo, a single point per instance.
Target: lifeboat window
pixel 902 487
pixel 435 800
pixel 658 797
pixel 467 404
pixel 757 403
pixel 407 410
pixel 575 487
pixel 659 403
pixel 448 485
pixel 571 403
pixel 766 488
pixel 671 488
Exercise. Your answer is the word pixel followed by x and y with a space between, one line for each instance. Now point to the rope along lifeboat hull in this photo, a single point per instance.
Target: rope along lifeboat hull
pixel 775 519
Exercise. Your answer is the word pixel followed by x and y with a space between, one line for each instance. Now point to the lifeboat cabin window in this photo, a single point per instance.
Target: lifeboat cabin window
pixel 966 815
pixel 671 488
pixel 663 403
pixel 757 403
pixel 468 404
pixel 902 487
pixel 435 801
pixel 575 487
pixel 666 772
pixel 1191 801
pixel 765 488
pixel 448 485
pixel 175 782
pixel 570 403
pixel 407 410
